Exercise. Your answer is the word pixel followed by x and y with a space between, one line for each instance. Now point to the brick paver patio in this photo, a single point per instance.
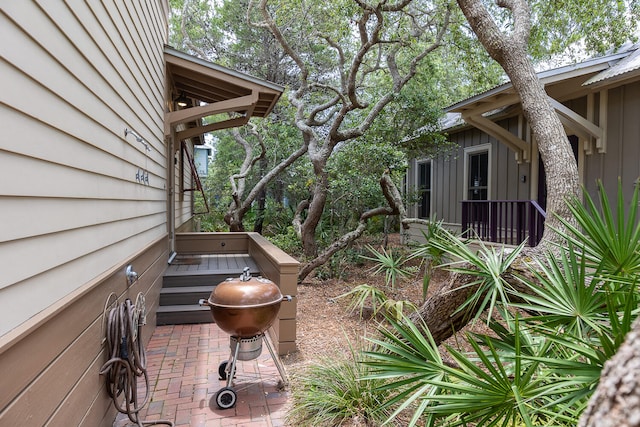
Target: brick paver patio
pixel 182 364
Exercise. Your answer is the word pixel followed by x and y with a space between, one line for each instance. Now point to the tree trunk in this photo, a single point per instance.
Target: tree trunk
pixel 510 51
pixel 616 401
pixel 562 172
pixel 314 214
pixel 262 199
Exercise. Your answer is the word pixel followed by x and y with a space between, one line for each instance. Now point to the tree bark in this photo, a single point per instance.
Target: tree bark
pixel 314 213
pixel 262 200
pixel 616 401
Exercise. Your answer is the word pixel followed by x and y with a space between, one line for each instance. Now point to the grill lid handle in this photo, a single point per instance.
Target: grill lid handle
pixel 245 276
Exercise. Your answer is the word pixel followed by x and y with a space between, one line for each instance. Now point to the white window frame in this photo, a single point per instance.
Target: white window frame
pixel 474 150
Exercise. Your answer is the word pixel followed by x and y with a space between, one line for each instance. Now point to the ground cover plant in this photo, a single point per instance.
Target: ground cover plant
pixel 547 339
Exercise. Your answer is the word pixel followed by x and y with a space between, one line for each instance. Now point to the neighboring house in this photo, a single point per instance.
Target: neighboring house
pixel 493 182
pixel 95 177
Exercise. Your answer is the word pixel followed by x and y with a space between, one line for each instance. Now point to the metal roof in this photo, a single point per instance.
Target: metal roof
pixel 619 70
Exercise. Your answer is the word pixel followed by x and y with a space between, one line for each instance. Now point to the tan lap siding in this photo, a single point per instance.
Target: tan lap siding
pixel 65 350
pixel 75 76
pixel 73 209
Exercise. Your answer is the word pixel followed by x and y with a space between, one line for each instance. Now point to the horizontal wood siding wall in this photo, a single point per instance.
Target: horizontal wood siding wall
pixel 50 372
pixel 74 208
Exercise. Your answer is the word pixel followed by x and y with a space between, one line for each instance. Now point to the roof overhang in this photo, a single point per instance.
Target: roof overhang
pixel 214 90
pixel 555 82
pixel 561 84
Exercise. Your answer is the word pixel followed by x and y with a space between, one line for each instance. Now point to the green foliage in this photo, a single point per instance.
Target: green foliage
pixel 332 392
pixel 487 265
pixel 355 171
pixel 609 243
pixel 430 252
pixel 536 370
pixel 564 24
pixel 367 297
pixel 288 241
pixel 408 359
pixel 564 296
pixel 389 264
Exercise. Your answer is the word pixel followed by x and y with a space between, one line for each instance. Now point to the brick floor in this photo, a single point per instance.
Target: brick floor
pixel 182 365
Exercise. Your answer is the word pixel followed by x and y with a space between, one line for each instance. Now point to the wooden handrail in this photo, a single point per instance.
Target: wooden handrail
pixel 196 178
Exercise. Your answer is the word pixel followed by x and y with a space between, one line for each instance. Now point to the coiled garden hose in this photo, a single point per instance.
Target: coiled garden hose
pixel 127 361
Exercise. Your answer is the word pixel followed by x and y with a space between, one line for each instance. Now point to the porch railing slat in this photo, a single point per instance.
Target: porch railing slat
pixel 503 221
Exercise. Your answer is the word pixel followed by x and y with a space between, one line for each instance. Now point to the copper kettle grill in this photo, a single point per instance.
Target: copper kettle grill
pixel 245 308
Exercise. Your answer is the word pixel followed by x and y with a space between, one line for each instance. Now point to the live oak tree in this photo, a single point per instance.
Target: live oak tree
pixel 349 71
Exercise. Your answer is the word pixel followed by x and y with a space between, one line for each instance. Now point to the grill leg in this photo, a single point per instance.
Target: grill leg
pixel 231 366
pixel 277 361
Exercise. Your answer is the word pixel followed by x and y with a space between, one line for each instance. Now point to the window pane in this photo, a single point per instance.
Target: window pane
pixel 478 176
pixel 424 189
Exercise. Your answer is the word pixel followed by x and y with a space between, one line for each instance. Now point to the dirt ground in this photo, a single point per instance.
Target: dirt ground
pixel 324 325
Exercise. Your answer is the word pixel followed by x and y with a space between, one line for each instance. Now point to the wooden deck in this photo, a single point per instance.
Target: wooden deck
pixel 214 264
pixel 207 259
pixel 191 277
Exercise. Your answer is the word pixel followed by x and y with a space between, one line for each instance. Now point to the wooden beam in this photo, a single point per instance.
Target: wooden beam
pixel 577 123
pixel 501 134
pixel 225 124
pixel 604 107
pixel 243 103
pixel 485 105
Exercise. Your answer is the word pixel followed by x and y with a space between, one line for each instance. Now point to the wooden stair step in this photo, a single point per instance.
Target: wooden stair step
pixel 184 295
pixel 183 314
pixel 202 278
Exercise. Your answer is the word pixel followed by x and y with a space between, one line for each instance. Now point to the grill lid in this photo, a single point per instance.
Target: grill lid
pixel 245 292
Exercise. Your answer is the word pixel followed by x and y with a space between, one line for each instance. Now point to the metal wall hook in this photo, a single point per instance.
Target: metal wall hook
pixel 138 138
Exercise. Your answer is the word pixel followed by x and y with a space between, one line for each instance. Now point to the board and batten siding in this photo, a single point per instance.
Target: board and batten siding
pixel 622 156
pixel 447 186
pixel 75 207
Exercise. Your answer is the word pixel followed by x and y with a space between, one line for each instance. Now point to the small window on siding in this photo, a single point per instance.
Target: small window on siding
pixel 424 189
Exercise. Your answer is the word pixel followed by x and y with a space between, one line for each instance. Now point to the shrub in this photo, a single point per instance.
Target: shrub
pixel 333 392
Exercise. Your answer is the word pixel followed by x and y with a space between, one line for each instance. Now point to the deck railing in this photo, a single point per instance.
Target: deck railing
pixel 509 222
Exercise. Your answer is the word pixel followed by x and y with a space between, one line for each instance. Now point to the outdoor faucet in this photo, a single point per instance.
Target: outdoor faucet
pixel 132 276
